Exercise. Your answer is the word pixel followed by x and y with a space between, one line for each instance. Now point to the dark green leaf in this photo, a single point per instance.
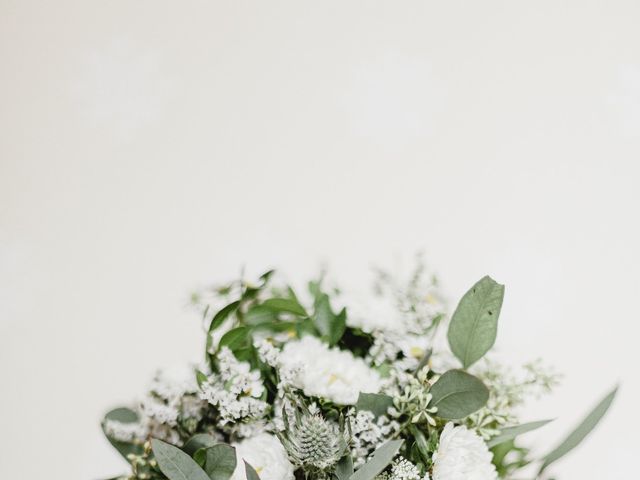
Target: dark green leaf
pixel 377 403
pixel 176 464
pixel 236 339
pixel 581 431
pixel 458 394
pixel 223 314
pixel 330 325
pixel 474 325
pixel 381 458
pixel 510 433
pixel 220 461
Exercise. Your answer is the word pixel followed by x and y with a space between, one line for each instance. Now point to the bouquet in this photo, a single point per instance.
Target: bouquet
pixel 308 385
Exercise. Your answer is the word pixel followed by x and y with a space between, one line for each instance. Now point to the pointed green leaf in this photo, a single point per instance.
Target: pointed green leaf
pixel 250 472
pixel 220 461
pixel 236 339
pixel 510 433
pixel 458 394
pixel 285 305
pixel 176 464
pixel 581 431
pixel 376 403
pixel 381 458
pixel 474 325
pixel 344 468
pixel 330 325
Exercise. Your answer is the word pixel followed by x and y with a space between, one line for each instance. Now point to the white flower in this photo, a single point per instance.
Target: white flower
pixel 266 455
pixel 125 432
pixel 326 372
pixel 462 455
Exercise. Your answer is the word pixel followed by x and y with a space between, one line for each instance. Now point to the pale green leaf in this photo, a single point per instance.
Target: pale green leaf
pixel 509 433
pixel 581 431
pixel 376 403
pixel 458 394
pixel 381 458
pixel 474 325
pixel 220 461
pixel 250 472
pixel 176 464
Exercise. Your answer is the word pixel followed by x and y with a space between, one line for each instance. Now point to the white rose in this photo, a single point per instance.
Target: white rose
pixel 326 372
pixel 462 455
pixel 266 455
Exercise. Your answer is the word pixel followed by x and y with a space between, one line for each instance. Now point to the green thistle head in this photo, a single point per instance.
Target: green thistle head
pixel 313 442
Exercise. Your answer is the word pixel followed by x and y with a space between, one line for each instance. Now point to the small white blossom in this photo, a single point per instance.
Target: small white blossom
pixel 125 432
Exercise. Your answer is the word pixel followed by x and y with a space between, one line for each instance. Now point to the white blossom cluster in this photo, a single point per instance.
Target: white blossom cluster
pixel 402 469
pixel 235 391
pixel 368 433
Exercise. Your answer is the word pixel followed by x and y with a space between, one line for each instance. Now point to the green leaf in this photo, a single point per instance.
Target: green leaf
pixel 581 431
pixel 236 338
pixel 250 472
pixel 474 325
pixel 259 315
pixel 330 325
pixel 458 394
pixel 219 318
pixel 378 462
pixel 123 415
pixel 220 461
pixel 198 441
pixel 421 442
pixel 201 377
pixel 285 305
pixel 510 433
pixel 344 468
pixel 376 403
pixel 223 314
pixel 176 464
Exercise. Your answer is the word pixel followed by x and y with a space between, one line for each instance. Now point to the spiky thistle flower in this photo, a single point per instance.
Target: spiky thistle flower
pixel 312 442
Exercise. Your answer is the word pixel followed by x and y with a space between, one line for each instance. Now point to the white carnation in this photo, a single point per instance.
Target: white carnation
pixel 326 372
pixel 266 455
pixel 462 455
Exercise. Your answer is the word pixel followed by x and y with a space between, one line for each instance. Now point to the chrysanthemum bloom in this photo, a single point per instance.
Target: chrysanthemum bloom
pixel 462 455
pixel 327 372
pixel 266 455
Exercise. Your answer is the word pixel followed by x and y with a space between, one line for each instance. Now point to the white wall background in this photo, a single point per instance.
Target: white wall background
pixel 148 147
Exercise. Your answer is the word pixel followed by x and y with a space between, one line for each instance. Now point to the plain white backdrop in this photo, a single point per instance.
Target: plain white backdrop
pixel 150 147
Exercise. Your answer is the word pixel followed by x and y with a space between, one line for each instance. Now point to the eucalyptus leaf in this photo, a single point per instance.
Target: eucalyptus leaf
pixel 510 433
pixel 198 441
pixel 122 415
pixel 381 458
pixel 250 472
pixel 344 468
pixel 376 403
pixel 581 431
pixel 220 461
pixel 473 328
pixel 176 464
pixel 457 394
